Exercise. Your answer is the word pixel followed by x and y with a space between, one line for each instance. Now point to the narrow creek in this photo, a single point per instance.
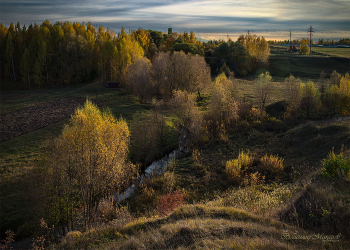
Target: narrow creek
pixel 156 168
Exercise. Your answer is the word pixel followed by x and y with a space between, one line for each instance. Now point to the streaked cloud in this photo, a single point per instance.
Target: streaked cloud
pixel 209 18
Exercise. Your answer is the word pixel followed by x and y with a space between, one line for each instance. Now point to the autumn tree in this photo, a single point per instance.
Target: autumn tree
pixel 234 55
pixel 335 78
pixel 345 94
pixel 304 48
pixel 258 50
pixel 223 108
pixel 190 118
pixel 331 100
pixel 292 95
pixel 310 99
pixel 87 164
pixel 264 89
pixel 9 55
pixel 143 37
pixel 26 67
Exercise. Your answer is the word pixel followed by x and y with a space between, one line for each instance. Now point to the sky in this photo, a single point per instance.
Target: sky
pixel 212 19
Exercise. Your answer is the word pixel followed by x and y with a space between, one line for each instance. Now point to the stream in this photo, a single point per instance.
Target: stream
pixel 156 168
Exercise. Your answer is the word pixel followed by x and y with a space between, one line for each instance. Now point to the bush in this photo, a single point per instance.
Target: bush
pixel 335 165
pixel 271 164
pixel 168 202
pixel 235 168
pixel 71 237
pixel 244 111
pixel 233 171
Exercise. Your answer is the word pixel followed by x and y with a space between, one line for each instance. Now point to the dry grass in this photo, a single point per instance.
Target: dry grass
pixel 257 199
pixel 271 164
pixel 199 226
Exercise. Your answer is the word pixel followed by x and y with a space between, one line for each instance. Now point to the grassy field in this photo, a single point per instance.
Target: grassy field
pixel 283 63
pixel 325 51
pixel 341 52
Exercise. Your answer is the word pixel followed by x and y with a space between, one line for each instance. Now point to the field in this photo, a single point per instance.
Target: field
pixel 217 213
pixel 341 52
pixel 283 63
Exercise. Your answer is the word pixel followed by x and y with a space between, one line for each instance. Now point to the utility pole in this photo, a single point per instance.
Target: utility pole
pixel 290 37
pixel 310 31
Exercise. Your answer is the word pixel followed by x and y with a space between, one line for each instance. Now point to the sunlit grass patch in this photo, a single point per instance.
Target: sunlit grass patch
pixel 258 199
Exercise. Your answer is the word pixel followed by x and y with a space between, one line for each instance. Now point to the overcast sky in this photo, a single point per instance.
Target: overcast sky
pixel 210 19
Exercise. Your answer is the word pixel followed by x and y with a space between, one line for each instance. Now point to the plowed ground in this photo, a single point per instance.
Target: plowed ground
pixel 35 117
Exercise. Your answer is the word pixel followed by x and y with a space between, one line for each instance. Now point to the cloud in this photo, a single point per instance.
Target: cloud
pixel 219 16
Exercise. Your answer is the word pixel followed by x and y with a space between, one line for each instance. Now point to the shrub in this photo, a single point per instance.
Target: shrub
pixel 168 202
pixel 254 179
pixel 245 160
pixel 233 171
pixel 335 165
pixel 71 237
pixel 235 168
pixel 271 164
pixel 244 111
pixel 106 211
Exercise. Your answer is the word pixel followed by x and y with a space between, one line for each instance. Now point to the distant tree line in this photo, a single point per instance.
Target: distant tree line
pixel 68 53
pixel 343 41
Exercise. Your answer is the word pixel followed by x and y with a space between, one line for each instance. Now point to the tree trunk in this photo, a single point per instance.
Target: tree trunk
pixel 13 67
pixel 47 73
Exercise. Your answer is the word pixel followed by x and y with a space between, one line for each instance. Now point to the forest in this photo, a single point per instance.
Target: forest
pixel 261 136
pixel 70 53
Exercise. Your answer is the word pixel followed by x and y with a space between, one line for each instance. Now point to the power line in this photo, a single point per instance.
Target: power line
pixel 310 31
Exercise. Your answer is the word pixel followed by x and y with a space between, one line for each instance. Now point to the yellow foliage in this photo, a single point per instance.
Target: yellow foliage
pixel 233 171
pixel 345 84
pixel 222 106
pixel 304 48
pixel 272 164
pixel 234 168
pixel 345 94
pixel 89 159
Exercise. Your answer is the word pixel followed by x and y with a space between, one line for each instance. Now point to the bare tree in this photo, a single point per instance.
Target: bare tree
pixel 140 79
pixel 180 71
